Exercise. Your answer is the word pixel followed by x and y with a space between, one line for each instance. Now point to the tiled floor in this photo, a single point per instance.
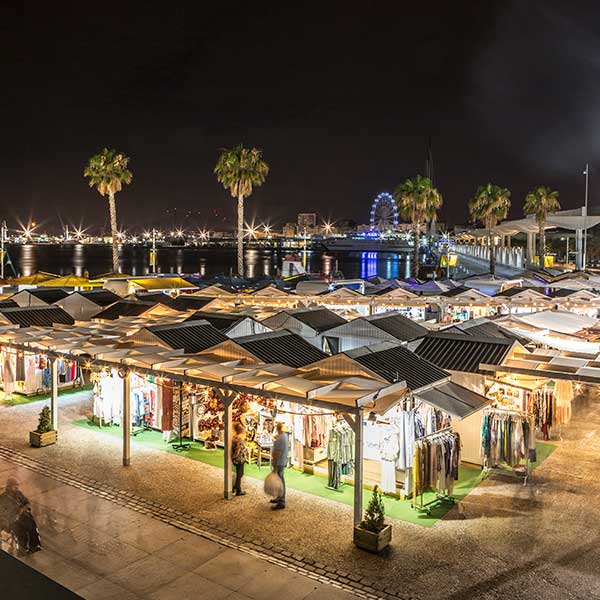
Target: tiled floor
pixel 101 551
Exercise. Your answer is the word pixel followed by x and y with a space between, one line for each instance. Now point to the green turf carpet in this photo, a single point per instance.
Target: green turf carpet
pixel 468 477
pixel 18 399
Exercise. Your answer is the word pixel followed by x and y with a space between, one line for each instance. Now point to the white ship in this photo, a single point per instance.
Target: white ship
pixel 367 244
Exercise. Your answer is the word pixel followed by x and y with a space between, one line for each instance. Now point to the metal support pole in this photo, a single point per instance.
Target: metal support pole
pixel 227 427
pixel 54 392
pixel 585 212
pixel 358 467
pixel 2 240
pixel 126 420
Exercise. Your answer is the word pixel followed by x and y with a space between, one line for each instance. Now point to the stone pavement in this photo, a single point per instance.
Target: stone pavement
pixel 103 549
pixel 504 540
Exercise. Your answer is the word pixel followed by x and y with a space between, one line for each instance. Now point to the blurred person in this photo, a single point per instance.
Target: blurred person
pixel 279 460
pixel 239 456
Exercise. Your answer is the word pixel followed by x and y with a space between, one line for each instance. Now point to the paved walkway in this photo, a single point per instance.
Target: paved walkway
pixel 503 540
pixel 100 549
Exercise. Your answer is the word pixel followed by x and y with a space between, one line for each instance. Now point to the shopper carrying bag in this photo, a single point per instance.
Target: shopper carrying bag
pixel 279 460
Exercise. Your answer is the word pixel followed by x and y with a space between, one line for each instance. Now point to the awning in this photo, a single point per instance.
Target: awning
pixel 453 399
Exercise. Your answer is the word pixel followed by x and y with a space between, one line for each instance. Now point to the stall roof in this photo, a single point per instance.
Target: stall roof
pixel 124 308
pixel 191 336
pixel 47 295
pixel 395 362
pixel 558 320
pixel 454 399
pixel 281 347
pixel 163 283
pixel 482 328
pixel 333 393
pixel 41 316
pixel 101 297
pixel 191 302
pixel 398 326
pixel 221 321
pixel 156 297
pixel 317 318
pixel 463 353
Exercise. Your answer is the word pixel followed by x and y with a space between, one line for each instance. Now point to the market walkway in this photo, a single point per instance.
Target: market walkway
pixel 100 549
pixel 502 540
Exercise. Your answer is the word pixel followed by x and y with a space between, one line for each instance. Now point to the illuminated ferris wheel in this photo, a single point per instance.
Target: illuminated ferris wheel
pixel 384 213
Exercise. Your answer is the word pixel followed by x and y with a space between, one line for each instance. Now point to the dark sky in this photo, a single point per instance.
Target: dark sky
pixel 341 97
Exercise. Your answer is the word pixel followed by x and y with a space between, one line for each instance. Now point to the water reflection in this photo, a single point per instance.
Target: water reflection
pixel 97 259
pixel 78 260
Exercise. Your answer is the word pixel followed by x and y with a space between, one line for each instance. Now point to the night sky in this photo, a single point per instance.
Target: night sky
pixel 341 97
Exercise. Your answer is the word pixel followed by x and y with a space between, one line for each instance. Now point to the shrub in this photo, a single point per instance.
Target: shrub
pixel 45 422
pixel 375 513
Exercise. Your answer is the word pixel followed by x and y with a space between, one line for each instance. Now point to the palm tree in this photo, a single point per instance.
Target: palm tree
pixel 490 205
pixel 240 170
pixel 418 201
pixel 540 202
pixel 107 172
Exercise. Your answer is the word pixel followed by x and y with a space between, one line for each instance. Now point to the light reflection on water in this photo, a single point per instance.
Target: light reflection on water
pixel 96 259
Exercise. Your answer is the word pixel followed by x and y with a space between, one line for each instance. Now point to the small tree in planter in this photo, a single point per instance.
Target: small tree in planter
pixel 44 435
pixel 373 534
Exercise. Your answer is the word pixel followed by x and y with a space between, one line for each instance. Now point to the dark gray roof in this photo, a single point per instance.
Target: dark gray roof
pixel 100 297
pixel 281 347
pixel 221 321
pixel 40 316
pixel 395 362
pixel 189 302
pixel 156 298
pixel 461 352
pixel 478 328
pixel 189 336
pixel 562 293
pixel 455 291
pixel 49 295
pixel 513 291
pixel 8 303
pixel 454 399
pixel 124 308
pixel 319 318
pixel 397 325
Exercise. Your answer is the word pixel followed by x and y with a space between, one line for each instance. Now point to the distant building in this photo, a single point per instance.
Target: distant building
pixel 307 221
pixel 289 230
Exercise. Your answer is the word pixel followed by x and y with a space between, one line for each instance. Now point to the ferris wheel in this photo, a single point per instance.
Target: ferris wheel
pixel 384 213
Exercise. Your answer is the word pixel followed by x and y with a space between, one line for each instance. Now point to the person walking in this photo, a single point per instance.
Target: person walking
pixel 239 456
pixel 279 459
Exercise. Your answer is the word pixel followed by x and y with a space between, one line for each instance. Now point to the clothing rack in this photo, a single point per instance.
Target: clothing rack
pixel 180 445
pixel 439 497
pixel 495 410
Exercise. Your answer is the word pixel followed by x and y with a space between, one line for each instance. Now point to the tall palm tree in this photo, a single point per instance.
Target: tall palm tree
pixel 107 172
pixel 490 206
pixel 539 202
pixel 418 201
pixel 240 170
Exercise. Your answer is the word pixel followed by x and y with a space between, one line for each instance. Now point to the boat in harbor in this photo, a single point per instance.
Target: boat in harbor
pixel 367 243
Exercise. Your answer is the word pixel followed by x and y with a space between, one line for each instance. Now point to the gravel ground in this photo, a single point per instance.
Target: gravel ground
pixel 503 540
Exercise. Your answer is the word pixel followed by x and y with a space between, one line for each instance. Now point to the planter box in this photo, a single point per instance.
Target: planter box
pixel 39 440
pixel 373 542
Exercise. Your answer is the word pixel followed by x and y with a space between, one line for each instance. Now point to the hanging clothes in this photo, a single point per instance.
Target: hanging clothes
pixel 166 422
pixel 435 463
pixel 506 437
pixel 564 394
pixel 340 453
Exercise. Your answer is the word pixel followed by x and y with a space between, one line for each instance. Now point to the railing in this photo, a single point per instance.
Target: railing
pixel 509 257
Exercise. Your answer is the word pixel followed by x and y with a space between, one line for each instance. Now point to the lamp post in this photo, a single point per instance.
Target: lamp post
pixel 585 212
